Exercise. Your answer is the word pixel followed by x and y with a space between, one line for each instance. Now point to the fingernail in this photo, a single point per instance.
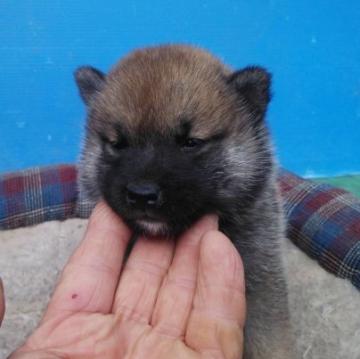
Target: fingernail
pixel 212 220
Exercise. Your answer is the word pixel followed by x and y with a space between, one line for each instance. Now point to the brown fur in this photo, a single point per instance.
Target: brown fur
pixel 185 77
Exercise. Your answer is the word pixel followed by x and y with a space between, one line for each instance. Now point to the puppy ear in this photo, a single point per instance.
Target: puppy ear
pixel 253 84
pixel 89 81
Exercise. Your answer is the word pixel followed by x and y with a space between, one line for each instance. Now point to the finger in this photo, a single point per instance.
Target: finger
pixel 218 315
pixel 2 302
pixel 89 280
pixel 176 294
pixel 141 278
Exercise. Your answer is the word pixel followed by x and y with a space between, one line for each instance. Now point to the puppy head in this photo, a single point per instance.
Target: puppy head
pixel 173 134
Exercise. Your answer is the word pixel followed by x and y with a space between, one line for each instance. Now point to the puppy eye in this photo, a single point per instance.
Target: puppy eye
pixel 191 143
pixel 114 146
pixel 120 144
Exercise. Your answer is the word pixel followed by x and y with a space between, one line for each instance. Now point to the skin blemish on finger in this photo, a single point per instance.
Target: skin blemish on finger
pixel 74 296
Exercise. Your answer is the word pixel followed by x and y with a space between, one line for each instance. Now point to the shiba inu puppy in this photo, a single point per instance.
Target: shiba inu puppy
pixel 173 134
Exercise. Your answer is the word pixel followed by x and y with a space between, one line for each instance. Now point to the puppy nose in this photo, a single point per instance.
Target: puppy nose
pixel 142 194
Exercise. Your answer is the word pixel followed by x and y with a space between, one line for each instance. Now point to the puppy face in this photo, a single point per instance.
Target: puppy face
pixel 172 134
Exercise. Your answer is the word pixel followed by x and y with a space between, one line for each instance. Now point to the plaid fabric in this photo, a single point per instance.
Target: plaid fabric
pixel 40 194
pixel 322 220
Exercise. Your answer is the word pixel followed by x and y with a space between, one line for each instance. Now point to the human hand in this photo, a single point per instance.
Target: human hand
pixel 182 299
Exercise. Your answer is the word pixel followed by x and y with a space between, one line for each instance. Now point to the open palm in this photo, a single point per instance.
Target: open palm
pixel 182 299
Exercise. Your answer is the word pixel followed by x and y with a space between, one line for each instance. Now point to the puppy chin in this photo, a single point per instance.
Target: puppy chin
pixel 152 228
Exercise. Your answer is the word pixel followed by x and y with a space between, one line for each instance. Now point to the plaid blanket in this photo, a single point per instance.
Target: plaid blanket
pixel 323 221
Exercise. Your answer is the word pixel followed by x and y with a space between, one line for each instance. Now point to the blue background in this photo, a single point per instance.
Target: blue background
pixel 311 47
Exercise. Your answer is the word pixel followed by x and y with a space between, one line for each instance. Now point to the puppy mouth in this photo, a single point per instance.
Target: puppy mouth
pixel 151 227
